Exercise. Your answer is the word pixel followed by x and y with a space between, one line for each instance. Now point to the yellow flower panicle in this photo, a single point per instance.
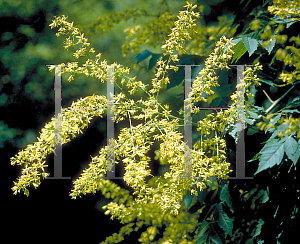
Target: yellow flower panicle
pixel 285 9
pixel 158 201
pixel 289 12
pixel 133 143
pixel 73 121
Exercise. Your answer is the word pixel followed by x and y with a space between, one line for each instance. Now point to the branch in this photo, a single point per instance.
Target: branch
pixel 278 100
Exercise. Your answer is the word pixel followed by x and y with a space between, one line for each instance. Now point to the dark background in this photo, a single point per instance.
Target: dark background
pixel 27 45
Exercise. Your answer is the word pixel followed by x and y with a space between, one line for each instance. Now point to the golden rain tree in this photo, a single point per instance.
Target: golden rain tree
pixel 158 201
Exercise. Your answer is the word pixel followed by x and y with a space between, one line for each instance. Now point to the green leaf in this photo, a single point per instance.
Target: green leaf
pixel 233 133
pixel 287 21
pixel 274 121
pixel 201 236
pixel 258 110
pixel 292 149
pixel 280 128
pixel 256 157
pixel 290 111
pixel 252 115
pixel 201 240
pixel 187 199
pixel 222 219
pixel 249 121
pixel 202 195
pixel 239 50
pixel 203 227
pixel 270 83
pixel 215 235
pixel 258 227
pixel 153 60
pixel 271 154
pixel 270 47
pixel 235 41
pixel 210 181
pixel 142 56
pixel 261 197
pixel 294 103
pixel 206 211
pixel 252 130
pixel 250 43
pixel 225 196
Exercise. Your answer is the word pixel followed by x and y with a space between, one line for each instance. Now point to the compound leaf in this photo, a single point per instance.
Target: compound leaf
pixel 271 154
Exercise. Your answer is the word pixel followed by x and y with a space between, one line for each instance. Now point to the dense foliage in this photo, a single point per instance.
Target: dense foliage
pixel 207 207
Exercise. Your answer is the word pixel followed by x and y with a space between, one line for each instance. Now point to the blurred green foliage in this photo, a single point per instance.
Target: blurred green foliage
pixel 28 44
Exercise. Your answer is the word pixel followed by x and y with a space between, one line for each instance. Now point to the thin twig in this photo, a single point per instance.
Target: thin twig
pixel 278 100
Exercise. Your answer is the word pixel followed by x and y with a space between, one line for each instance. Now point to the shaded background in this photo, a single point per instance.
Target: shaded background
pixel 26 103
pixel 27 45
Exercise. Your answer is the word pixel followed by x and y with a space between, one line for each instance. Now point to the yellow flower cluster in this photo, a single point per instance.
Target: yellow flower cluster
pixel 160 198
pixel 133 143
pixel 207 77
pixel 204 37
pixel 151 33
pixel 91 67
pixel 136 215
pixel 73 121
pixel 76 37
pixel 290 55
pixel 159 201
pixel 292 125
pixel 181 32
pixel 285 9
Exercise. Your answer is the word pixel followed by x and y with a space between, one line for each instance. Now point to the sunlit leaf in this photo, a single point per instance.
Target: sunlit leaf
pixel 258 227
pixel 250 43
pixel 271 154
pixel 292 149
pixel 239 50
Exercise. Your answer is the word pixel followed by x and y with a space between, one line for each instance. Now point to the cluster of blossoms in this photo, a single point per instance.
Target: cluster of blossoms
pixel 151 33
pixel 285 9
pixel 180 33
pixel 161 197
pixel 133 143
pixel 289 125
pixel 286 12
pixel 91 67
pixel 73 120
pixel 159 201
